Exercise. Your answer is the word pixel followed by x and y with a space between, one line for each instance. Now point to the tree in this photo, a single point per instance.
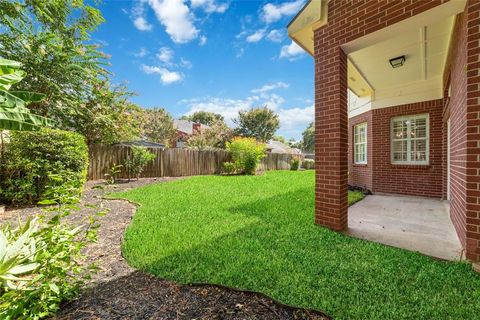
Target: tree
pixel 214 138
pixel 204 117
pixel 107 116
pixel 53 40
pixel 258 123
pixel 50 37
pixel 308 138
pixel 157 125
pixel 280 138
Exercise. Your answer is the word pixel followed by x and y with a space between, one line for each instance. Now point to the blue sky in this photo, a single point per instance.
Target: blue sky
pixel 213 55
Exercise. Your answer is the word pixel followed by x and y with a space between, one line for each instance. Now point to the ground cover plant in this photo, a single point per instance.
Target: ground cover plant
pixel 257 233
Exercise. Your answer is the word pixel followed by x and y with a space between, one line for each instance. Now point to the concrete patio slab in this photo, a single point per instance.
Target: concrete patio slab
pixel 412 223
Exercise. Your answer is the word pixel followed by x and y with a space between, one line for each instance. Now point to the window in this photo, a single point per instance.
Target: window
pixel 360 143
pixel 410 139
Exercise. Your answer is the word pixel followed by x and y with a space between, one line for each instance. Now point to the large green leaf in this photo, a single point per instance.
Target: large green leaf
pixel 23 121
pixel 28 97
pixel 10 63
pixel 10 101
pixel 8 79
pixel 14 114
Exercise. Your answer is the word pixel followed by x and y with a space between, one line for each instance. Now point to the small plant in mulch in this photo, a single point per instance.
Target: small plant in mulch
pixel 111 176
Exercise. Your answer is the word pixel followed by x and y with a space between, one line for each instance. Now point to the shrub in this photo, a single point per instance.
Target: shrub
pixel 294 164
pixel 308 164
pixel 137 160
pixel 229 167
pixel 40 264
pixel 35 162
pixel 246 154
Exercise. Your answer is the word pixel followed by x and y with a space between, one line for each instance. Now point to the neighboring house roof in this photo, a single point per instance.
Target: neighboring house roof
pixel 275 146
pixel 141 143
pixel 186 126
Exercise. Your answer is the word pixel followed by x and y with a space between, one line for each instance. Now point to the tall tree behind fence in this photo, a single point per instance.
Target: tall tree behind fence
pixel 173 162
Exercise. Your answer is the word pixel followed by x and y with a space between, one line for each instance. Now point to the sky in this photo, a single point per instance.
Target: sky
pixel 214 55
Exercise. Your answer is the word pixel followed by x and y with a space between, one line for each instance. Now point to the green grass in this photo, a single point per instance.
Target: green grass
pixel 257 233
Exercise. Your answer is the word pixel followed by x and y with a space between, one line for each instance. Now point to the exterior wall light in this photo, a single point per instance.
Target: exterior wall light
pixel 397 62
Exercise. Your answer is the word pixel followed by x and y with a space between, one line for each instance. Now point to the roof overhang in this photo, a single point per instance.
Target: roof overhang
pixel 312 16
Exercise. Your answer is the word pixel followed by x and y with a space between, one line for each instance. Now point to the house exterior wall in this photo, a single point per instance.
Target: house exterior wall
pixel 347 21
pixel 385 177
pixel 462 74
pixel 360 175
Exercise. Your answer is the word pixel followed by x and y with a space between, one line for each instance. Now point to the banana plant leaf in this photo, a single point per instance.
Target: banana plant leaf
pixel 8 79
pixel 8 100
pixel 24 121
pixel 28 97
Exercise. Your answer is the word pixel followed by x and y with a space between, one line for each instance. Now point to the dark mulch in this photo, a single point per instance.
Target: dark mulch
pixel 118 291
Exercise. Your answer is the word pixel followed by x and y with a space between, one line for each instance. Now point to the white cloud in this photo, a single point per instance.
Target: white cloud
pixel 272 13
pixel 138 15
pixel 292 51
pixel 141 53
pixel 296 118
pixel 275 35
pixel 185 63
pixel 142 24
pixel 165 55
pixel 177 19
pixel 270 87
pixel 166 76
pixel 257 36
pixel 209 6
pixel 203 41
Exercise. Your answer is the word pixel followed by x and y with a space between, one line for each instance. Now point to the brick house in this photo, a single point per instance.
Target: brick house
pixel 184 129
pixel 397 103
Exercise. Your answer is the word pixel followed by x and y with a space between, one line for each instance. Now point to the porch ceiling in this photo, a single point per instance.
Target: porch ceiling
pixel 425 49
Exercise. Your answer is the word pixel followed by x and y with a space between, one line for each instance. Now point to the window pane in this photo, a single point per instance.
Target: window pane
pixel 419 148
pixel 400 151
pixel 399 129
pixel 360 154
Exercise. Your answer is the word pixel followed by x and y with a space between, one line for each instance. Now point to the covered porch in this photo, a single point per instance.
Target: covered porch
pixel 412 223
pixel 394 83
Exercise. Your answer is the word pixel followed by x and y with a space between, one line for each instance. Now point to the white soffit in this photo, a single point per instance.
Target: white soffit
pixel 425 49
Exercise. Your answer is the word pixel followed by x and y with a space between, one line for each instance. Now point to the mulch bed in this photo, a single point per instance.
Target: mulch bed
pixel 118 291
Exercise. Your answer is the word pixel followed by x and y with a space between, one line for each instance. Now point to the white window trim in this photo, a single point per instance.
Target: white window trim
pixel 409 141
pixel 355 143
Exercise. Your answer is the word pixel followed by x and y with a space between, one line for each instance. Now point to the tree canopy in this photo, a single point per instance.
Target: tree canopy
pixel 157 125
pixel 258 123
pixel 308 138
pixel 204 117
pixel 52 39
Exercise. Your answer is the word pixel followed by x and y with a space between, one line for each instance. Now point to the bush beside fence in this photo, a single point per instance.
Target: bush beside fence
pixel 173 162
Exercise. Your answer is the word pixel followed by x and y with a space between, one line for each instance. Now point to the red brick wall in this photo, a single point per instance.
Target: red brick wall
pixel 418 180
pixel 456 110
pixel 360 175
pixel 383 176
pixel 347 21
pixel 473 130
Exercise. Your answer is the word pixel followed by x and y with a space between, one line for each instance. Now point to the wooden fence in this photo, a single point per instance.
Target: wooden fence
pixel 173 162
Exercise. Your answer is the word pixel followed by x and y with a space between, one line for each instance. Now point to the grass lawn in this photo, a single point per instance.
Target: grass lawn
pixel 257 233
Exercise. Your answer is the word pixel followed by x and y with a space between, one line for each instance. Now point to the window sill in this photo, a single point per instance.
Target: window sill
pixel 411 165
pixel 360 164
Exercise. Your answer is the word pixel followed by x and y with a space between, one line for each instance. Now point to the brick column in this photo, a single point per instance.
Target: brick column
pixel 473 131
pixel 331 136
